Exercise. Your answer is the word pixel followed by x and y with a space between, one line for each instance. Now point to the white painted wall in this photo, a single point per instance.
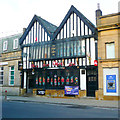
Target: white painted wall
pixel 24 80
pixel 92 50
pixel 82 80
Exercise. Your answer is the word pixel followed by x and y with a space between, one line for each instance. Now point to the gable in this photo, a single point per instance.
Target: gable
pixel 74 24
pixel 38 30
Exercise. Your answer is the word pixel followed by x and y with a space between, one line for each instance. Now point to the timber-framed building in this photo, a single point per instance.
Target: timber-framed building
pixel 55 58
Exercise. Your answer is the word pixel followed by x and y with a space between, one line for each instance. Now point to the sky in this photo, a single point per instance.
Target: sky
pixel 17 14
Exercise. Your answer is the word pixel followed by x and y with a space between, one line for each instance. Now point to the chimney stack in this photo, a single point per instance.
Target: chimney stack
pixel 98 13
pixel 24 29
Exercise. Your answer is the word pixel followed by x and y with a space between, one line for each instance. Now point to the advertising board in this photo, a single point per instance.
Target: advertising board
pixel 71 90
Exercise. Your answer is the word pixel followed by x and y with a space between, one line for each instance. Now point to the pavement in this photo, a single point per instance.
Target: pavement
pixel 85 101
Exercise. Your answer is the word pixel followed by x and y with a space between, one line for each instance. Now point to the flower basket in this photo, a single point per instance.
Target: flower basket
pixel 59 65
pixel 45 66
pixel 71 65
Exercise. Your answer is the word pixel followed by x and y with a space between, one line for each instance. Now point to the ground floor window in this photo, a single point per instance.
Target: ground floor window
pixel 11 75
pixel 1 75
pixel 57 78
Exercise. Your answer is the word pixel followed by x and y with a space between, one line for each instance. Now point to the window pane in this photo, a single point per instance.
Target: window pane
pixel 1 82
pixel 1 77
pixel 71 49
pixel 12 77
pixel 12 68
pixel 61 49
pixel 12 72
pixel 1 73
pixel 74 47
pixel 39 52
pixel 110 50
pixel 83 47
pixel 58 52
pixel 45 51
pixel 78 47
pixel 68 49
pixel 42 51
pixel 11 82
pixel 1 68
pixel 48 51
pixel 64 49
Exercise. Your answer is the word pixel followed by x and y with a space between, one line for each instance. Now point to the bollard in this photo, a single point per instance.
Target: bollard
pixel 5 94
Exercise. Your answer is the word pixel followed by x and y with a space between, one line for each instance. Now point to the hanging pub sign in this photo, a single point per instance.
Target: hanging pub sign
pixel 95 63
pixel 111 83
pixel 20 66
pixel 71 90
pixel 53 50
pixel 40 92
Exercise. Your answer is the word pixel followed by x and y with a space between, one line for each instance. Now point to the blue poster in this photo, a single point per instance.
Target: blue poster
pixel 111 83
pixel 71 90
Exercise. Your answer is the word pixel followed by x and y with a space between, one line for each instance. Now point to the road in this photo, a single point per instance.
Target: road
pixel 15 109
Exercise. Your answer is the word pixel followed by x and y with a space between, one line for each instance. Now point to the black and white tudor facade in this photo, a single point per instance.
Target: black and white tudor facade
pixel 55 57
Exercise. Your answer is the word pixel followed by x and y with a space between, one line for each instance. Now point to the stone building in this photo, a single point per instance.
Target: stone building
pixel 10 56
pixel 109 56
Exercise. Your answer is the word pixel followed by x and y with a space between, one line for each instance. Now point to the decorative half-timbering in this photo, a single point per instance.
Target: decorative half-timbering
pixel 55 57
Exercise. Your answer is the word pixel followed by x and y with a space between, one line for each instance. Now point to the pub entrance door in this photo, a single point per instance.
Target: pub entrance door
pixel 92 82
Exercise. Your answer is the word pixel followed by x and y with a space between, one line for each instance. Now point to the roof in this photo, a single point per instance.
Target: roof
pixel 10 43
pixel 48 27
pixel 80 15
pixel 110 15
pixel 53 30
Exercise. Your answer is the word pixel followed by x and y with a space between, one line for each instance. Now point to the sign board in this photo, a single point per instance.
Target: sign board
pixel 71 90
pixel 53 50
pixel 111 83
pixel 40 92
pixel 3 63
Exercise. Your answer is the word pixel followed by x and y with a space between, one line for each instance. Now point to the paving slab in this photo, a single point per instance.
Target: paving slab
pixel 81 101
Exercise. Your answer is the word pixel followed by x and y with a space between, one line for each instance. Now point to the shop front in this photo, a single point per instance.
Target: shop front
pixel 55 79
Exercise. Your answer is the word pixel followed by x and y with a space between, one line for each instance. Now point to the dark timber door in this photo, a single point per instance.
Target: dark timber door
pixel 92 82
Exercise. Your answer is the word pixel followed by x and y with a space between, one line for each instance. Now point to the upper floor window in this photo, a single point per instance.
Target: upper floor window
pixel 5 45
pixel 15 43
pixel 1 75
pixel 110 50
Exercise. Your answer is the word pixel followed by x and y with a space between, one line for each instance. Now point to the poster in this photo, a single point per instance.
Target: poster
pixel 71 90
pixel 111 83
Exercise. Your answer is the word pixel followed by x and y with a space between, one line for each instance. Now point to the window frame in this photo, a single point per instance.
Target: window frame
pixel 11 75
pixel 1 71
pixel 15 47
pixel 106 55
pixel 5 45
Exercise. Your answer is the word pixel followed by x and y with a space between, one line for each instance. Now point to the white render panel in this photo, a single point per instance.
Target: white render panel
pixel 65 31
pixel 28 58
pixel 78 26
pixel 67 28
pixel 82 80
pixel 87 50
pixel 24 58
pixel 74 24
pixel 24 80
pixel 82 28
pixel 92 51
